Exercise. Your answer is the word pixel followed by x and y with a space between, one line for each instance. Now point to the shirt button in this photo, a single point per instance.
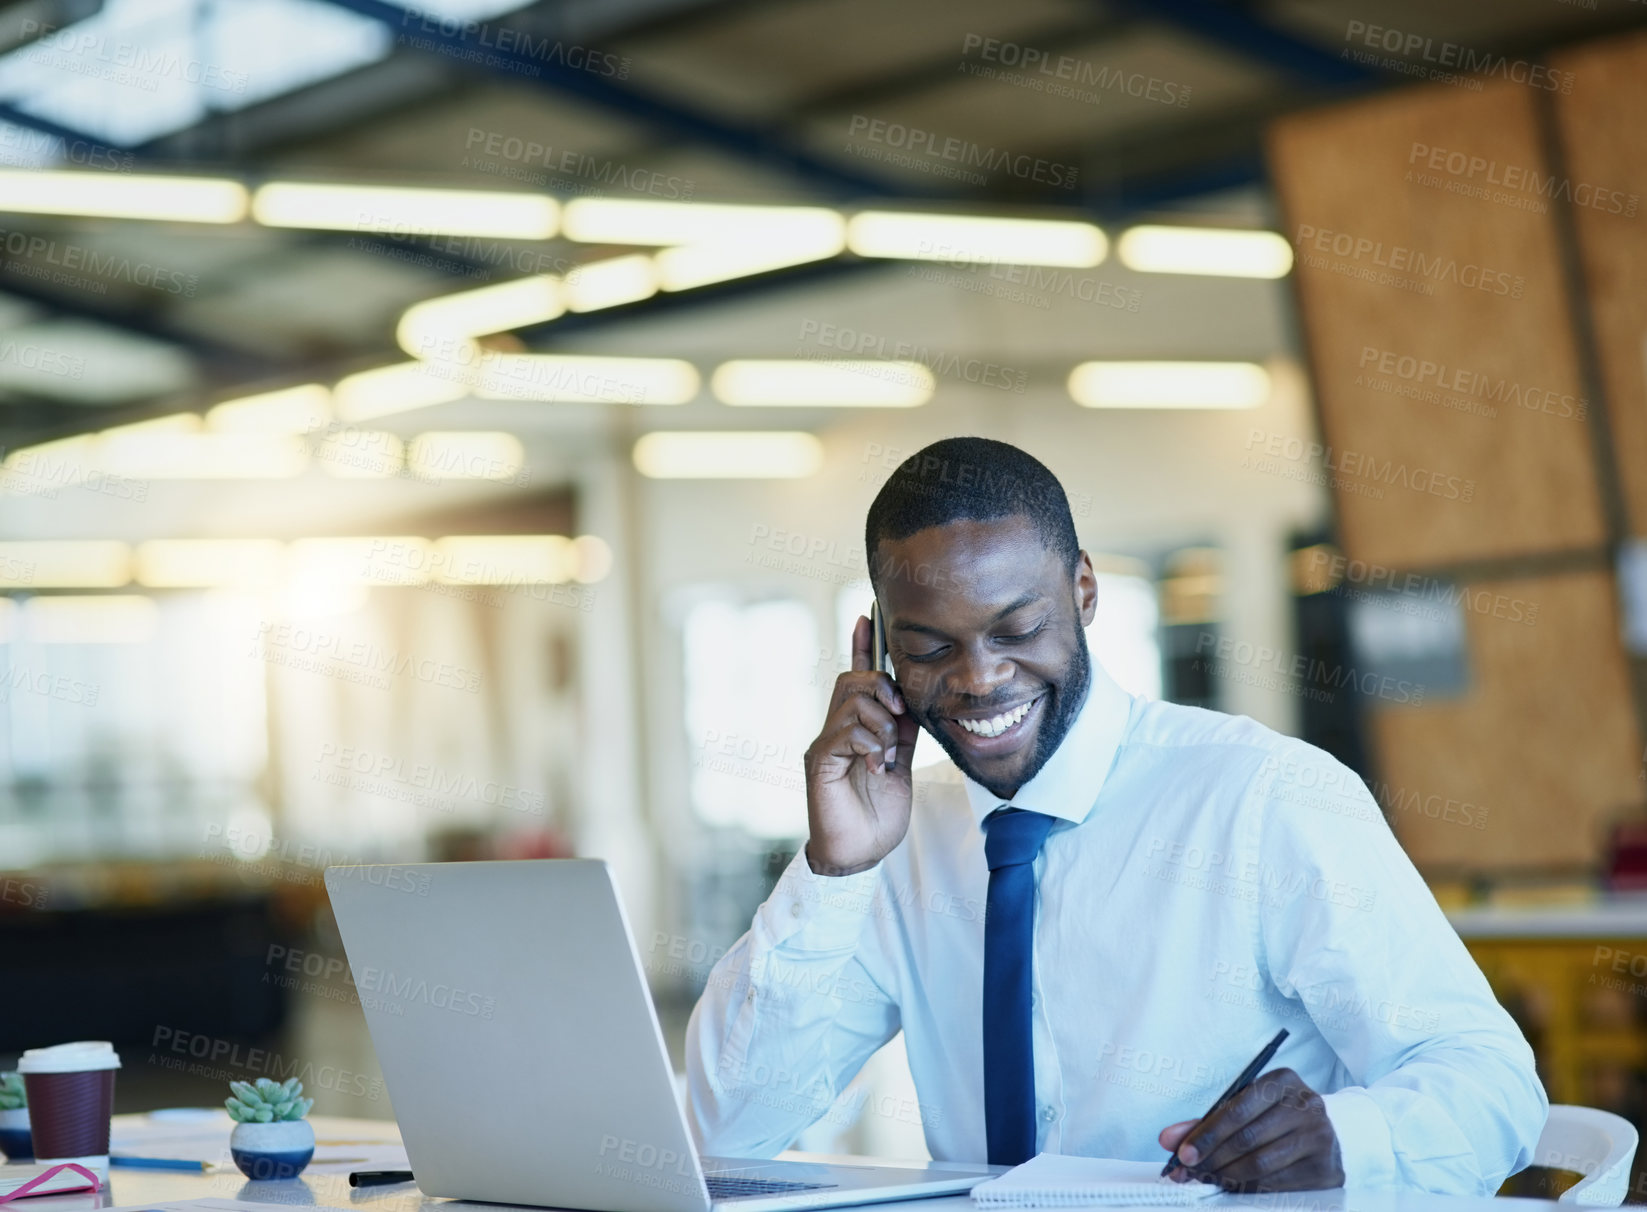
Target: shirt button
pixel 751 996
pixel 794 909
pixel 1048 1114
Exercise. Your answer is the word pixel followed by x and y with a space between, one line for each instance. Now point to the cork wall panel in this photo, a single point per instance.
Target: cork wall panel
pixel 1437 328
pixel 1604 136
pixel 1543 747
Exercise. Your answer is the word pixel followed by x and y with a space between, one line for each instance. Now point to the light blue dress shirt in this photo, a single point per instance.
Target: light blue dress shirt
pixel 1208 882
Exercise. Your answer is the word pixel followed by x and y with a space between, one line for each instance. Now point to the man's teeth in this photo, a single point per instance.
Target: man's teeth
pixel 999 724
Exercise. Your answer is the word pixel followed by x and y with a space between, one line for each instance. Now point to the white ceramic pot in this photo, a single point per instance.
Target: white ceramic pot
pixel 275 1150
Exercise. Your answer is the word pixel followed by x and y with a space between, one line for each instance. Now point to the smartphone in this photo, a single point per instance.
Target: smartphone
pixel 878 656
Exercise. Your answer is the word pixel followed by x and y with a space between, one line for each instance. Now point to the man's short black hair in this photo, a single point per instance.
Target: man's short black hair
pixel 974 480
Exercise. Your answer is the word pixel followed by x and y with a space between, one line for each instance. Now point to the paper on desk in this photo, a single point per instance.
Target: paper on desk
pixel 213 1205
pixel 1053 1180
pixel 207 1140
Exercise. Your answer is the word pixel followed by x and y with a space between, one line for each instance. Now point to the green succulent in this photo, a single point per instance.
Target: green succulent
pixel 11 1092
pixel 267 1101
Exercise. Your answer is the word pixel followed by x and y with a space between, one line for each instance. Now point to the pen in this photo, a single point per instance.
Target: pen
pixel 157 1163
pixel 1242 1081
pixel 374 1178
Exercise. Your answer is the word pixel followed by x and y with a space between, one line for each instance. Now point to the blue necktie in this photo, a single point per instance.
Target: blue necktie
pixel 1012 841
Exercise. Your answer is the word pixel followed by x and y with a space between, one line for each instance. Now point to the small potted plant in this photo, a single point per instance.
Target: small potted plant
pixel 15 1142
pixel 271 1139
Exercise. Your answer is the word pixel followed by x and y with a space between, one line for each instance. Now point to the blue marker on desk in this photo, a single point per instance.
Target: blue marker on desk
pixel 158 1163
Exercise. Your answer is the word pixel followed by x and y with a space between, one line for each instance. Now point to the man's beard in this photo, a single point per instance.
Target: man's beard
pixel 1063 705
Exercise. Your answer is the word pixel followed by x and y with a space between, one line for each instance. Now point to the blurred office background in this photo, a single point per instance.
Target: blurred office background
pixel 357 524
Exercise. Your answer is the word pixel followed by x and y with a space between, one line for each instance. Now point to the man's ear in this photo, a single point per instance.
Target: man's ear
pixel 1086 590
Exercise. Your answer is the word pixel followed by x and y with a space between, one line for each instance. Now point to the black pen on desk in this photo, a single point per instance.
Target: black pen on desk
pixel 375 1178
pixel 1244 1079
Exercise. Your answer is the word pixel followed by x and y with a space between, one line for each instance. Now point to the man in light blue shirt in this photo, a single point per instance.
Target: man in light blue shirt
pixel 1091 917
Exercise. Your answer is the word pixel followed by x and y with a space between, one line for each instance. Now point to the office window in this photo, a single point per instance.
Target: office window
pixel 1192 592
pixel 126 724
pixel 751 711
pixel 141 69
pixel 1125 633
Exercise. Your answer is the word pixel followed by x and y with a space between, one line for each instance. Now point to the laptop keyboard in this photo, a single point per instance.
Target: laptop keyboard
pixel 728 1186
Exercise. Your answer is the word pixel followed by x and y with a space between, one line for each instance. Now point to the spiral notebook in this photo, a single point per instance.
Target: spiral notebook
pixel 21 1181
pixel 1052 1180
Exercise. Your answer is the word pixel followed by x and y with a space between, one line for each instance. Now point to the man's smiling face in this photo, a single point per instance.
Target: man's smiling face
pixel 984 623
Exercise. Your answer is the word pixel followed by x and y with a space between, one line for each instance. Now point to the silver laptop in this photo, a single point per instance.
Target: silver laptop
pixel 523 1057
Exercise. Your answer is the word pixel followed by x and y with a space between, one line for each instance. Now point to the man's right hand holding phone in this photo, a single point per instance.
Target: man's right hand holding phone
pixel 857 809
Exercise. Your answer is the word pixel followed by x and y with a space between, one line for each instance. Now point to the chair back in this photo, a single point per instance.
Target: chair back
pixel 1596 1144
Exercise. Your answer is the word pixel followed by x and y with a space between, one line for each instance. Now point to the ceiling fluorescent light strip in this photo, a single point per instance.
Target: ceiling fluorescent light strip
pixel 442 329
pixel 1207 251
pixel 111 195
pixel 395 211
pixel 758 383
pixel 1185 385
pixel 976 239
pixel 720 455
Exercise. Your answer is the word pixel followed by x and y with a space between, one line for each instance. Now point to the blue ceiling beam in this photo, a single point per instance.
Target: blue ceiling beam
pixel 468 45
pixel 221 363
pixel 1233 29
pixel 87 151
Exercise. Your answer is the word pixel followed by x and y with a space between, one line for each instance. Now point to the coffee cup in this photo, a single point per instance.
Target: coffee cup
pixel 70 1090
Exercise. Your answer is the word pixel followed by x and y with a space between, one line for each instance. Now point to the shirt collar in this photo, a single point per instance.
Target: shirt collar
pixel 1068 785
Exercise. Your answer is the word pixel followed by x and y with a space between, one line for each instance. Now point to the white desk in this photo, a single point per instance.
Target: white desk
pixel 127 1187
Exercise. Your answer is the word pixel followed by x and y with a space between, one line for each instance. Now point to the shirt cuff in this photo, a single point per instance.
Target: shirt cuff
pixel 1363 1137
pixel 811 912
